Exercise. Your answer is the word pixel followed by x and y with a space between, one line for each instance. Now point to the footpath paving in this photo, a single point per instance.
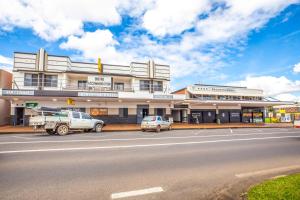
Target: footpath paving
pixel 136 127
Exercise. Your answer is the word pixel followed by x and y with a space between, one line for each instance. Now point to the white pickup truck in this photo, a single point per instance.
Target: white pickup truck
pixel 64 121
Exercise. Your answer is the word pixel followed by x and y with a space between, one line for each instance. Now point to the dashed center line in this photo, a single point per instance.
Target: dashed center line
pixel 136 193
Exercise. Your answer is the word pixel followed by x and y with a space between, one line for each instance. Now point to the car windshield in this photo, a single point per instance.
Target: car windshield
pixel 149 119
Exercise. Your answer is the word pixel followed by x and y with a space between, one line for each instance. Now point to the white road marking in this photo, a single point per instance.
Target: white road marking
pixel 268 171
pixel 22 137
pixel 230 130
pixel 136 193
pixel 143 145
pixel 135 139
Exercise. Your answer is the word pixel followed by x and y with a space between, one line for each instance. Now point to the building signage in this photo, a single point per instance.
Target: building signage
pixel 17 92
pixel 99 81
pixel 162 96
pixel 213 89
pixel 98 94
pixel 31 104
pixel 99 111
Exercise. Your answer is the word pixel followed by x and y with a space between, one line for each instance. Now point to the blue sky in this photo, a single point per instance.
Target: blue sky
pixel 254 44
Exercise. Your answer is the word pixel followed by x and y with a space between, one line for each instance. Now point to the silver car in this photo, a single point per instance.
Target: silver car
pixel 156 123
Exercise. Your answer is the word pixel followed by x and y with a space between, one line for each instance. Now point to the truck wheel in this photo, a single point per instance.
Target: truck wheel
pixel 62 129
pixel 50 132
pixel 98 128
pixel 158 129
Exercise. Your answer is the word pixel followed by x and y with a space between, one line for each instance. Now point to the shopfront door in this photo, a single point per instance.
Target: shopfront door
pixel 209 116
pixel 142 111
pixel 19 116
pixel 224 116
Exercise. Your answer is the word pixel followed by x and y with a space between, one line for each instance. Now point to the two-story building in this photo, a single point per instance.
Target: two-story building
pixel 123 93
pixel 114 93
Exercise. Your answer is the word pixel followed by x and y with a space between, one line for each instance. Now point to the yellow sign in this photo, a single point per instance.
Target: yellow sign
pixel 282 111
pixel 70 101
pixel 100 66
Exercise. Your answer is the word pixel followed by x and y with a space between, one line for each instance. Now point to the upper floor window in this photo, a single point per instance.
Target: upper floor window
pixel 82 84
pixel 157 86
pixel 119 86
pixel 145 85
pixel 30 79
pixel 50 80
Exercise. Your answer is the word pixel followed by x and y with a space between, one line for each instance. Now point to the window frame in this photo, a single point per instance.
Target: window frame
pixel 157 87
pixel 30 82
pixel 84 82
pixel 85 116
pixel 50 83
pixel 73 116
pixel 143 87
pixel 118 84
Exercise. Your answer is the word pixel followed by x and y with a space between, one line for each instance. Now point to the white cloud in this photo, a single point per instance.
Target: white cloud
pixel 6 63
pixel 280 87
pixel 6 60
pixel 54 19
pixel 234 23
pixel 288 97
pixel 212 25
pixel 97 44
pixel 296 68
pixel 173 17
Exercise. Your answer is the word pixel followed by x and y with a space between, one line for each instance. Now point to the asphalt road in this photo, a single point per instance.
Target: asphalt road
pixel 178 164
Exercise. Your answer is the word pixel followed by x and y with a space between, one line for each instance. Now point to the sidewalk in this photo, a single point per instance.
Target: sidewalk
pixel 136 127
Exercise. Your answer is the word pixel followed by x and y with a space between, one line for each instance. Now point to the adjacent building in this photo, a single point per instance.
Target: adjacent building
pixel 223 104
pixel 123 93
pixel 5 83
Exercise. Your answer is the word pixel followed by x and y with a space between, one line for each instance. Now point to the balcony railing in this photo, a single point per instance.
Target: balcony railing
pixel 73 85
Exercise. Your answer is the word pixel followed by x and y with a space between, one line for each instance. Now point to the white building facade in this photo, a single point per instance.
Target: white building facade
pixel 123 93
pixel 113 93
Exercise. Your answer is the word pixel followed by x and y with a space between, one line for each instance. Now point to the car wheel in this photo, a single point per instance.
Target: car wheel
pixel 62 129
pixel 158 129
pixel 98 128
pixel 50 132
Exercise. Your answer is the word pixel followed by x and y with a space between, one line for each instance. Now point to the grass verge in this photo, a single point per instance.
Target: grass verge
pixel 282 188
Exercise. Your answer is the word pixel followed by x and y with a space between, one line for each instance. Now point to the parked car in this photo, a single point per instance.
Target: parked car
pixel 156 123
pixel 62 122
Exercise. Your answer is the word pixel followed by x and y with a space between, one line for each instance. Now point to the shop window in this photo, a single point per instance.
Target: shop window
pixel 119 86
pixel 82 84
pixel 30 79
pixel 158 86
pixel 144 85
pixel 98 111
pixel 50 80
pixel 123 112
